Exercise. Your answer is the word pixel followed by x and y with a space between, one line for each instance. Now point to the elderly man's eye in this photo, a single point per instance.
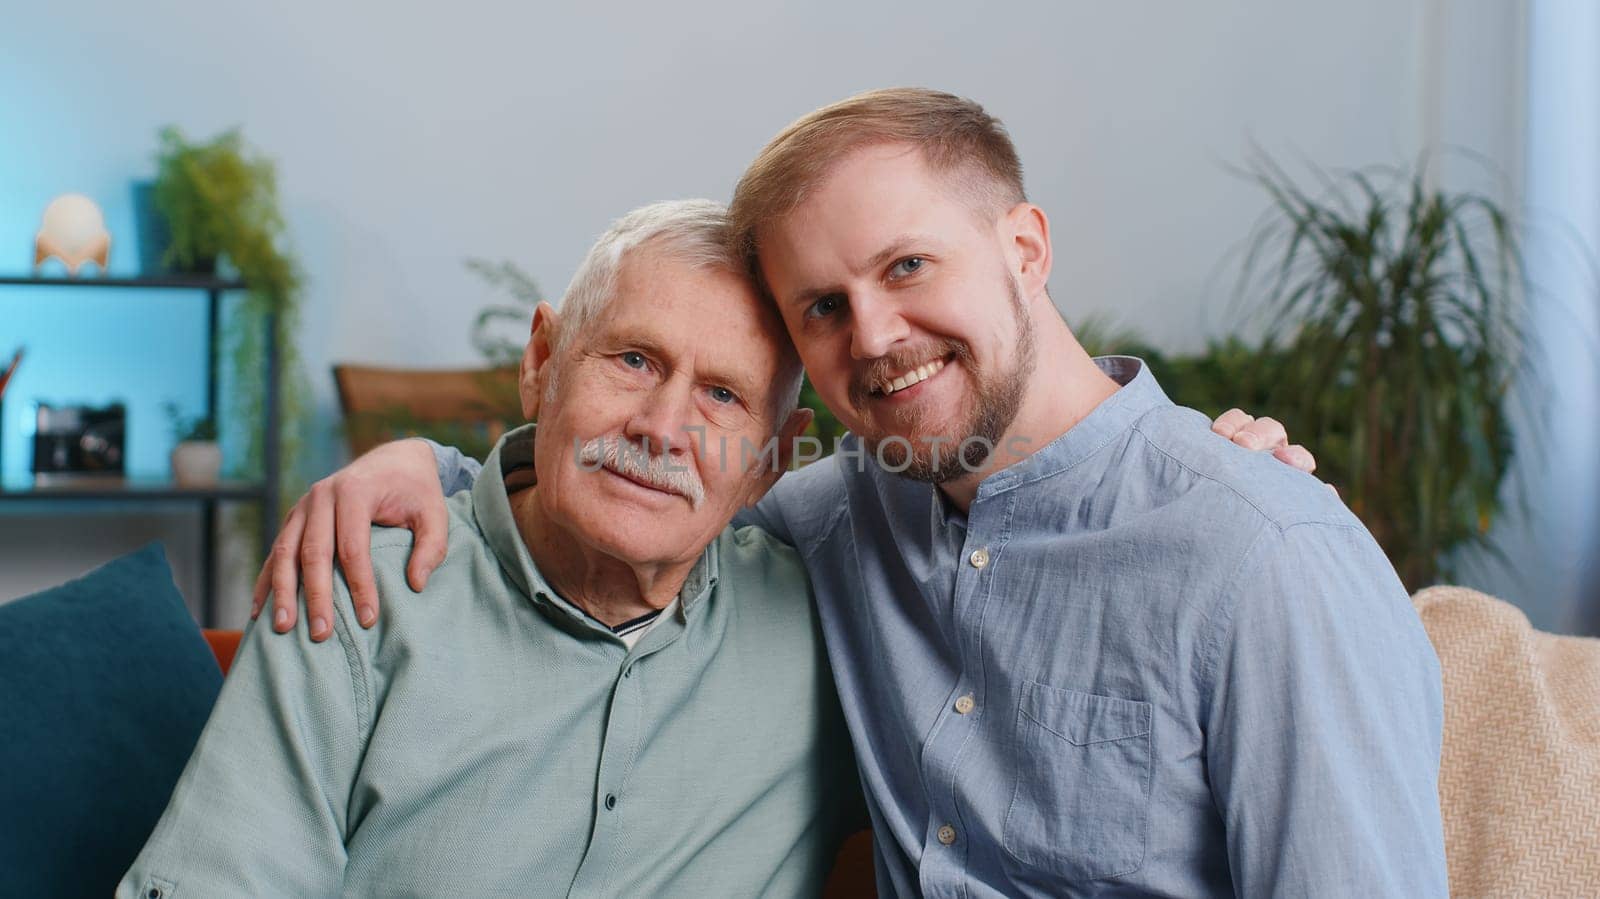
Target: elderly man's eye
pixel 724 395
pixel 907 266
pixel 633 360
pixel 826 306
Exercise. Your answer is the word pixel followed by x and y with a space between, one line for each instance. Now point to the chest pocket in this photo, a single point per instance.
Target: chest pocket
pixel 1081 805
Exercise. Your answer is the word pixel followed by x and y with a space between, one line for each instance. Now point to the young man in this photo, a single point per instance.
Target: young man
pixel 1082 644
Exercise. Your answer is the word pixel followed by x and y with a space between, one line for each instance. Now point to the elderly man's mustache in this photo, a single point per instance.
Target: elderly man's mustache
pixel 626 458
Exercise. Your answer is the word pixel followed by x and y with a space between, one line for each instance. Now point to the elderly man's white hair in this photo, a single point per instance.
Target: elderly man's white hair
pixel 694 232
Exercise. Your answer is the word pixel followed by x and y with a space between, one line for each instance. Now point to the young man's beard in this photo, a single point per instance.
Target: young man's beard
pixel 995 407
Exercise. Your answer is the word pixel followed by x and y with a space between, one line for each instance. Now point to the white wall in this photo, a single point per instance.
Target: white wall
pixel 410 138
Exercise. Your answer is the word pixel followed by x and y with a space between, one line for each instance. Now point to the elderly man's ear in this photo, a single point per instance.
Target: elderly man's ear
pixel 788 435
pixel 534 371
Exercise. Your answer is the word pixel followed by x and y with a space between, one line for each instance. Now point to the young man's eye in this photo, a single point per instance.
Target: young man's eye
pixel 633 360
pixel 826 306
pixel 724 396
pixel 907 266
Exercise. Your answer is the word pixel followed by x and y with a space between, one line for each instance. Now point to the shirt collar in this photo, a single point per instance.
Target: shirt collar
pixel 1138 394
pixel 512 460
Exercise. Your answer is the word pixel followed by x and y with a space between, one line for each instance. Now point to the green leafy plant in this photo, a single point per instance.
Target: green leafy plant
pixel 1393 314
pixel 825 426
pixel 473 438
pixel 220 202
pixel 500 330
pixel 189 427
pixel 1230 372
pixel 1391 345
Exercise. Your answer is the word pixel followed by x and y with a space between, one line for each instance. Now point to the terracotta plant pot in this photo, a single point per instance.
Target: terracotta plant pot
pixel 196 463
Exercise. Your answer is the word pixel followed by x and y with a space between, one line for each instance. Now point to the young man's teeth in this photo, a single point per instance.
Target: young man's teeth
pixel 920 374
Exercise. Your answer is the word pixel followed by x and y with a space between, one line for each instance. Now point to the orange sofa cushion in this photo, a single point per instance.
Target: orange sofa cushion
pixel 224 644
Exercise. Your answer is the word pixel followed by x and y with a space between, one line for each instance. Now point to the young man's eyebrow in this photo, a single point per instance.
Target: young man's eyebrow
pixel 897 247
pixel 900 245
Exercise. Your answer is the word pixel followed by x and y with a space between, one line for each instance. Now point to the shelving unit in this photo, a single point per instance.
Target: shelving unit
pixel 133 491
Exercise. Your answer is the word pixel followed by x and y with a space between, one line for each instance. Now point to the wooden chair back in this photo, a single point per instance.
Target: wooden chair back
pixel 469 408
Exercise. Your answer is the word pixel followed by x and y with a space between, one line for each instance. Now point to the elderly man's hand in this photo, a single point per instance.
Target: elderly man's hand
pixel 1263 434
pixel 396 484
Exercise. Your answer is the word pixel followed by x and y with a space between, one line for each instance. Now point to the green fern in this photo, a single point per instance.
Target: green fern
pixel 220 201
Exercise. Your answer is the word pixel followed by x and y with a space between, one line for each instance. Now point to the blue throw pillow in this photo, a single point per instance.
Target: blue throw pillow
pixel 105 684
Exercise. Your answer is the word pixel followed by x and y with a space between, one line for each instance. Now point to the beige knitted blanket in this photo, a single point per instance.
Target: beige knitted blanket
pixel 1519 781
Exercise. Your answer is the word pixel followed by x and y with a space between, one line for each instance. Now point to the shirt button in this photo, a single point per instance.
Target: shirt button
pixel 947 834
pixel 611 801
pixel 979 557
pixel 964 705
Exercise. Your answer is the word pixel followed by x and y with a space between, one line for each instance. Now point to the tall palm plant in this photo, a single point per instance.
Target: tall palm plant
pixel 1393 344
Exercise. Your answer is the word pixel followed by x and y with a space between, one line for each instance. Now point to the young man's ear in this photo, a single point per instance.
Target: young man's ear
pixel 534 370
pixel 787 437
pixel 1026 233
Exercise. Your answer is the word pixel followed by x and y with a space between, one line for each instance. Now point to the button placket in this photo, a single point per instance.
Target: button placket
pixel 987 533
pixel 617 749
pixel 958 725
pixel 156 888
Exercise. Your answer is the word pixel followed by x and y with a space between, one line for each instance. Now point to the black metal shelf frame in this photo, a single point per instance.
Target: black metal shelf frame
pixel 264 493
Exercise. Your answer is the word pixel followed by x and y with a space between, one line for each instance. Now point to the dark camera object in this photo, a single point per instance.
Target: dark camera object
pixel 80 439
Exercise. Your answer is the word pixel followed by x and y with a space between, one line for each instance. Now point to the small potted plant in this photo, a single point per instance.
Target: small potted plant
pixel 197 457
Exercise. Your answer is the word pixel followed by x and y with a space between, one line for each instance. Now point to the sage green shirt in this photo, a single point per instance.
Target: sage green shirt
pixel 487 738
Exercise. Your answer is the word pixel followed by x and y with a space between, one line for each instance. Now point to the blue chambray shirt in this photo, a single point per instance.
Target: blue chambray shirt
pixel 1145 662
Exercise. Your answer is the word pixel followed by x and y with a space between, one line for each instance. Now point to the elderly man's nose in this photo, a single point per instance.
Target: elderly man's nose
pixel 660 423
pixel 875 326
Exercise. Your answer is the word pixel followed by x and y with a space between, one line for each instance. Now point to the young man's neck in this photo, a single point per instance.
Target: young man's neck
pixel 1066 385
pixel 607 589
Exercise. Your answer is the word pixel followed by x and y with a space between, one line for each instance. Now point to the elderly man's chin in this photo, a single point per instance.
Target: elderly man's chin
pixel 643 535
pixel 637 523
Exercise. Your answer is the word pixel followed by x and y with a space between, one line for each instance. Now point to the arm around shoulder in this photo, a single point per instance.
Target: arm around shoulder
pixel 800 505
pixel 457 470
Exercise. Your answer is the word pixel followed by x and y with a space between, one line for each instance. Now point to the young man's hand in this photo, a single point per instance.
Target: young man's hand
pixel 396 484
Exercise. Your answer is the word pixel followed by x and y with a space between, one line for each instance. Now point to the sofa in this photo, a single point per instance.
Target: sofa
pixel 1519 774
pixel 106 682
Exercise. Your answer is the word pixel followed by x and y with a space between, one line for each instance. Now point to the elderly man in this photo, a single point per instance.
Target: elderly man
pixel 604 690
pixel 1082 645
